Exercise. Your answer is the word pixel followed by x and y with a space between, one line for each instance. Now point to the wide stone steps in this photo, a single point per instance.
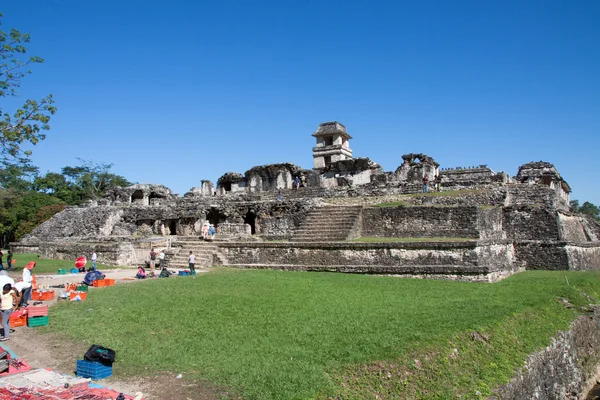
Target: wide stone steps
pixel 203 252
pixel 328 223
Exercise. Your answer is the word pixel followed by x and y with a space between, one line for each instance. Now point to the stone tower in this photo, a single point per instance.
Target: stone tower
pixel 332 144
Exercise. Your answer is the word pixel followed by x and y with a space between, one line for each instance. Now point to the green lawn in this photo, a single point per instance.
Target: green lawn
pixel 298 335
pixel 45 266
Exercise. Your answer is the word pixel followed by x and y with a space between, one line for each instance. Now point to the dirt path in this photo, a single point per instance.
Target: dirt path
pixel 59 354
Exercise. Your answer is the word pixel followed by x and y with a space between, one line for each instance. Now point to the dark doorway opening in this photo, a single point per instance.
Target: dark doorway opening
pixel 173 228
pixel 137 197
pixel 215 217
pixel 250 219
pixel 227 187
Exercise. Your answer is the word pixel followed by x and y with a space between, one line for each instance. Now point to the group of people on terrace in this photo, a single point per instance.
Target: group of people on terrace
pixel 437 183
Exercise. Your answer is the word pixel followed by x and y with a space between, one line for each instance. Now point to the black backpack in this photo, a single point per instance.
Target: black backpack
pixel 101 354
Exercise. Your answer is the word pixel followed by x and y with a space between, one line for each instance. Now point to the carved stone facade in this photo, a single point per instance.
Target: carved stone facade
pixel 508 223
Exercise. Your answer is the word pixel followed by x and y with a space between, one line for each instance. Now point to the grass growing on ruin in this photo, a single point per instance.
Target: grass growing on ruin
pixel 408 240
pixel 45 266
pixel 291 335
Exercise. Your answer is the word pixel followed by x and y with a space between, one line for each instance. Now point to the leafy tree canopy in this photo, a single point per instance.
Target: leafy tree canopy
pixel 27 123
pixel 586 208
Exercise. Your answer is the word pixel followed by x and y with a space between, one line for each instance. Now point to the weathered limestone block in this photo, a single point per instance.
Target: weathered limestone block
pixel 564 370
pixel 420 222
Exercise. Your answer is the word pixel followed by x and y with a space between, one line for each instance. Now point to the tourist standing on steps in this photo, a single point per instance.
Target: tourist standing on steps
pixel 8 303
pixel 425 184
pixel 192 262
pixel 205 230
pixel 152 259
pixel 296 183
pixel 161 259
pixel 94 258
pixel 27 282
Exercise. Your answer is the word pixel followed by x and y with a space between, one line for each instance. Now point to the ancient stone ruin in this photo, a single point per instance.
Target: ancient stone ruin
pixel 482 225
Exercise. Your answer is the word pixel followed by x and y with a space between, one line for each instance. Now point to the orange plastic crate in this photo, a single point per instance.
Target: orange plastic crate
pixel 109 282
pixel 43 296
pixel 70 288
pixel 18 318
pixel 82 295
pixel 99 283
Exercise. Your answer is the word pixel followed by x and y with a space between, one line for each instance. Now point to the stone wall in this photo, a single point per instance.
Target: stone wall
pixel 542 255
pixel 564 370
pixel 490 223
pixel 481 261
pixel 530 223
pixel 583 256
pixel 577 227
pixel 420 222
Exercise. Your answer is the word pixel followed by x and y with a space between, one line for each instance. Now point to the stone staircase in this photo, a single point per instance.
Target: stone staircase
pixel 328 224
pixel 204 252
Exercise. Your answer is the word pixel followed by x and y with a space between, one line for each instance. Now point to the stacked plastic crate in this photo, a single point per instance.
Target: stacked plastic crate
pixel 37 316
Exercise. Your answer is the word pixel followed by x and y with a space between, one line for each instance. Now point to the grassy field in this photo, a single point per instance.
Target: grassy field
pixel 295 335
pixel 45 266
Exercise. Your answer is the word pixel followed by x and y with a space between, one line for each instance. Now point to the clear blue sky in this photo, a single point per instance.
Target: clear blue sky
pixel 179 91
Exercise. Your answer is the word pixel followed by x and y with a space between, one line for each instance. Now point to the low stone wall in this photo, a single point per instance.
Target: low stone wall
pixel 469 260
pixel 112 253
pixel 565 369
pixel 398 222
pixel 583 256
pixel 538 255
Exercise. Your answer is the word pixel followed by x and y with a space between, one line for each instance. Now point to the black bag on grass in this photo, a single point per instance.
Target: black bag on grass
pixel 101 354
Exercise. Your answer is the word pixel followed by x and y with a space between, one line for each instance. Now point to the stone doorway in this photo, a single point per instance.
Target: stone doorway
pixel 250 219
pixel 172 227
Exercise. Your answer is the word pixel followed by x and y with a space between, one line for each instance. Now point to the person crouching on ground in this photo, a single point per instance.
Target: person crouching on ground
pixel 27 282
pixel 141 274
pixel 8 303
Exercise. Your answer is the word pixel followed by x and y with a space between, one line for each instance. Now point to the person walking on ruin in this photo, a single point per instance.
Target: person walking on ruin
pixel 280 196
pixel 152 259
pixel 425 184
pixel 205 230
pixel 94 258
pixel 192 262
pixel 296 183
pixel 8 304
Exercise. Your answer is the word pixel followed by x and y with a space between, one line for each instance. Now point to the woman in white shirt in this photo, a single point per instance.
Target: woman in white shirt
pixel 27 282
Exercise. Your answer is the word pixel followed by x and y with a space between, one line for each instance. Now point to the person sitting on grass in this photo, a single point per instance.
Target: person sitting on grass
pixel 141 274
pixel 164 273
pixel 8 303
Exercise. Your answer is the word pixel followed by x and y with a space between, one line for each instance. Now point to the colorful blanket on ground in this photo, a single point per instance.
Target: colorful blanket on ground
pixel 78 392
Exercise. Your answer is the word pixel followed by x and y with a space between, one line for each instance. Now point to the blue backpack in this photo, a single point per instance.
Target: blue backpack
pixel 91 276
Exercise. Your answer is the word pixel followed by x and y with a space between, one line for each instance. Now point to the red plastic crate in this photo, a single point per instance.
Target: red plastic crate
pixel 99 283
pixel 37 311
pixel 109 282
pixel 18 319
pixel 43 296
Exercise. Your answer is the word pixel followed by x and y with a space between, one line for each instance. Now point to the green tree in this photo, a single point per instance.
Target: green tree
pixel 25 125
pixel 92 179
pixel 586 208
